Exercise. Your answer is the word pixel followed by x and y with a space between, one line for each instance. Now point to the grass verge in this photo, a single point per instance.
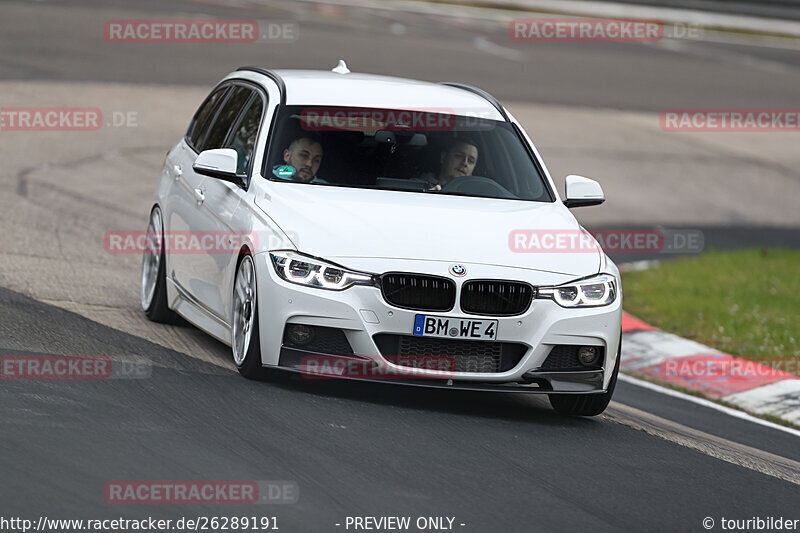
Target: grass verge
pixel 745 303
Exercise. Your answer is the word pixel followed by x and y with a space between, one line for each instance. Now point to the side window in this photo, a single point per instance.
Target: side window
pixel 244 137
pixel 202 119
pixel 226 118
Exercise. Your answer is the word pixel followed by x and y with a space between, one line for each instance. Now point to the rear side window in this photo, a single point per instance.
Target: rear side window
pixel 244 138
pixel 204 116
pixel 226 117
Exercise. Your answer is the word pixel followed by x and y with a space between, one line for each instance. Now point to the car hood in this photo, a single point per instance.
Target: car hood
pixel 339 222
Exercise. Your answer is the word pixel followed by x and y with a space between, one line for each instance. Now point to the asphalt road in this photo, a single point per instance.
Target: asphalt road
pixel 64 41
pixel 494 462
pixel 789 9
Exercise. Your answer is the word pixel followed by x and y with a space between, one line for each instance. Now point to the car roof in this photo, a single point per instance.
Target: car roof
pixel 327 88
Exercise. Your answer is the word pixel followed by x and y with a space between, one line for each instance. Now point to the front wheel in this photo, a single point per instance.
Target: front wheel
pixel 245 340
pixel 587 404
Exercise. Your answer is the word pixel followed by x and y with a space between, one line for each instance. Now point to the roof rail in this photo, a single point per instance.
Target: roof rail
pixel 271 74
pixel 480 92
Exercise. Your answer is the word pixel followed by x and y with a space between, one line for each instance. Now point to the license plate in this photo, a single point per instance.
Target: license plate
pixel 454 328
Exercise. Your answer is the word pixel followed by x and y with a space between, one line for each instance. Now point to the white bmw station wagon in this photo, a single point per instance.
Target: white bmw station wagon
pixel 377 228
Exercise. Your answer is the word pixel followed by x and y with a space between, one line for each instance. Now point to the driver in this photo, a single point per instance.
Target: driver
pixel 458 159
pixel 304 154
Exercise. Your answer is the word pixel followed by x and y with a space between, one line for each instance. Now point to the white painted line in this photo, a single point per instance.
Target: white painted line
pixel 485 45
pixel 707 403
pixel 642 349
pixel 682 47
pixel 781 398
pixel 398 29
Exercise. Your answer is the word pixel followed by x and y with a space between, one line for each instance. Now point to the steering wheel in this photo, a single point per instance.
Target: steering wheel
pixel 478 186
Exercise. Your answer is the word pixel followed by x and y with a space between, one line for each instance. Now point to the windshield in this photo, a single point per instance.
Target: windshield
pixel 423 151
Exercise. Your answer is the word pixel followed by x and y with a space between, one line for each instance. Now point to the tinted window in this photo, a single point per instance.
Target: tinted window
pixel 204 116
pixel 226 118
pixel 396 149
pixel 244 138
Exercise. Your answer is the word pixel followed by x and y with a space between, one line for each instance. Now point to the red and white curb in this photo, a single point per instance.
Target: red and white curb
pixel 651 353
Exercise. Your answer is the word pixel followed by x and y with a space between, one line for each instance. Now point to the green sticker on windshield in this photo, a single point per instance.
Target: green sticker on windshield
pixel 284 171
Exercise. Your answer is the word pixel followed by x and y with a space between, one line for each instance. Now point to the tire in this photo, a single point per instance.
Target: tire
pixel 587 404
pixel 154 273
pixel 245 338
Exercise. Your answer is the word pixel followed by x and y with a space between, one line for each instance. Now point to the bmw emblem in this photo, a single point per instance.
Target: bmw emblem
pixel 458 270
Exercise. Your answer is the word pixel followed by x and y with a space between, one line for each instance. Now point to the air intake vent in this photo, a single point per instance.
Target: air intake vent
pixel 319 339
pixel 458 355
pixel 496 298
pixel 565 357
pixel 418 291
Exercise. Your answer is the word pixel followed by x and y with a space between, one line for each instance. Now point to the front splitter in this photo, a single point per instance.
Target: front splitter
pixel 535 382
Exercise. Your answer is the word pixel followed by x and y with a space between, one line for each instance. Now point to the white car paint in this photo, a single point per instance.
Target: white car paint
pixel 372 231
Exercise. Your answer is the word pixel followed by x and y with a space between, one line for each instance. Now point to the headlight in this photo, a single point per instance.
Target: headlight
pixel 304 270
pixel 590 292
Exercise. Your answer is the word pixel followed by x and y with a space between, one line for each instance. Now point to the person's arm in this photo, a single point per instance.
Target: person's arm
pixel 431 182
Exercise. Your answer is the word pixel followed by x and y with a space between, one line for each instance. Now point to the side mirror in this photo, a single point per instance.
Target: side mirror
pixel 582 192
pixel 219 163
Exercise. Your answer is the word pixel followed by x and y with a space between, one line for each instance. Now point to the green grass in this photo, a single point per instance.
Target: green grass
pixel 744 303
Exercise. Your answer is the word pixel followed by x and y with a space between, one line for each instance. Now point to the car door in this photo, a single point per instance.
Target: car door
pixel 181 215
pixel 224 200
pixel 219 235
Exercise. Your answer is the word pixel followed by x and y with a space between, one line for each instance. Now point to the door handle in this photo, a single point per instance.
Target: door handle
pixel 176 171
pixel 200 196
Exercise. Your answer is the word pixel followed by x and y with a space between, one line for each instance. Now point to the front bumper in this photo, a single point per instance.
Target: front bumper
pixel 543 382
pixel 361 313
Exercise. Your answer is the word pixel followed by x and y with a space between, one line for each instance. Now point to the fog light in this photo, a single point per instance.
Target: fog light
pixel 300 334
pixel 588 355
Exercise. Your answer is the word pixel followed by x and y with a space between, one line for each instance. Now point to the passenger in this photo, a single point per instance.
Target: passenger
pixel 457 160
pixel 304 155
